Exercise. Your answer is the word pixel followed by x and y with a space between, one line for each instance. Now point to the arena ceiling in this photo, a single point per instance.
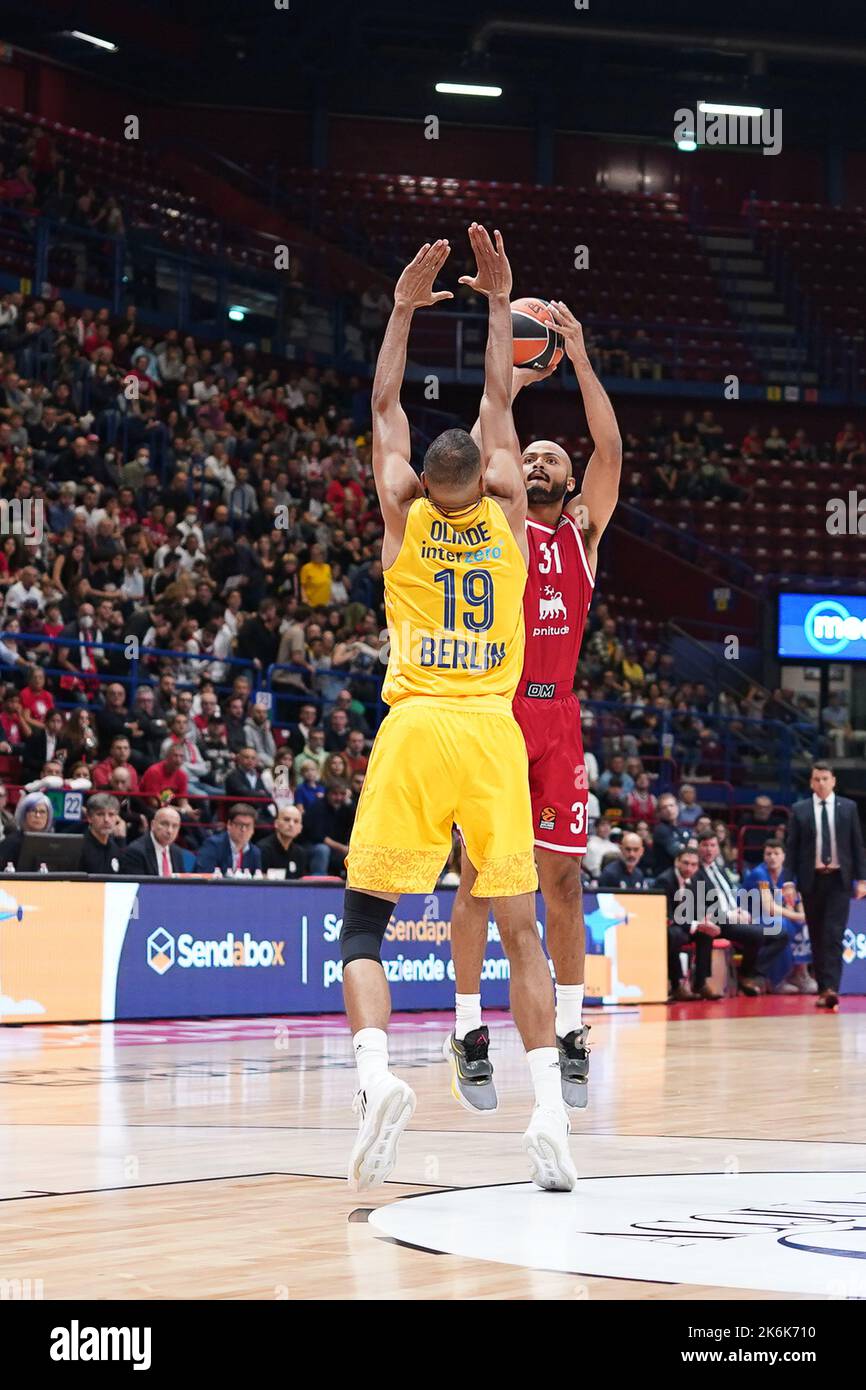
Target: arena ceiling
pixel 617 67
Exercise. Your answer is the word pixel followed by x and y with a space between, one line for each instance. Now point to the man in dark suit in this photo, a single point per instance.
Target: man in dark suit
pixel 231 851
pixel 245 780
pixel 722 912
pixel 41 747
pixel 155 854
pixel 683 928
pixel 824 855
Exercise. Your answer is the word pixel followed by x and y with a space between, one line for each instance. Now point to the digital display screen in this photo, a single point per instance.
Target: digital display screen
pixel 822 627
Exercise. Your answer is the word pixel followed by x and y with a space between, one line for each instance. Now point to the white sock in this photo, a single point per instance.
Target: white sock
pixel 468 1014
pixel 569 1003
pixel 371 1055
pixel 546 1080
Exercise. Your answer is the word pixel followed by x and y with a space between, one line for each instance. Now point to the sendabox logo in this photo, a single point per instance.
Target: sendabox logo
pixel 160 951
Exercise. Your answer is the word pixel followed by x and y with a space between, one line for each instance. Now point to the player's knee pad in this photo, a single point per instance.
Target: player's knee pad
pixel 365 921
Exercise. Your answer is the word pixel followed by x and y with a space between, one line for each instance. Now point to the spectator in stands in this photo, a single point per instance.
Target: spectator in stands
pixel 78 739
pixel 36 699
pixel 310 788
pixel 260 736
pixel 231 850
pixel 166 782
pixel 727 851
pixel 615 768
pixel 41 745
pixel 119 755
pixel 155 854
pixel 245 780
pixel 688 811
pixel 7 820
pixel 597 846
pixel 837 726
pixel 757 825
pixel 327 830
pixel 668 837
pixel 624 871
pixel 281 851
pixel 34 815
pixel 103 846
pixel 641 803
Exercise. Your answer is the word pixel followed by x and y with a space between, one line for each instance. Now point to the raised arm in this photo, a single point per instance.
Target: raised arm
pixel 500 448
pixel 520 377
pixel 397 485
pixel 594 505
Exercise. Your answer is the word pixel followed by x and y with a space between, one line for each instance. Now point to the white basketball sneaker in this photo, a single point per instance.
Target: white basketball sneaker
pixel 385 1109
pixel 546 1142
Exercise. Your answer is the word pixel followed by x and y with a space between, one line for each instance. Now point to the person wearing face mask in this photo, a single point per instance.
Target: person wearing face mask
pixel 84 660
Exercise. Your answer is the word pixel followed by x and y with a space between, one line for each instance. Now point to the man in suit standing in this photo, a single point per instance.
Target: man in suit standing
pixel 824 855
pixel 231 849
pixel 155 855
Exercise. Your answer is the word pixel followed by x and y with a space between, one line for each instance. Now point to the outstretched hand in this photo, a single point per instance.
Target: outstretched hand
pixel 415 286
pixel 493 273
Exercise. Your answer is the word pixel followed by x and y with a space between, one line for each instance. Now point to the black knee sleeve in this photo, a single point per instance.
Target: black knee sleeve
pixel 365 921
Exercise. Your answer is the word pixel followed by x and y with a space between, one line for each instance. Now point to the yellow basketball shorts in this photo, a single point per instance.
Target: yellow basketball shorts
pixel 436 762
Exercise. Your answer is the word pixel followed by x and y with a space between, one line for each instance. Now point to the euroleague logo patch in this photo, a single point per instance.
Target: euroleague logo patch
pixel 547 819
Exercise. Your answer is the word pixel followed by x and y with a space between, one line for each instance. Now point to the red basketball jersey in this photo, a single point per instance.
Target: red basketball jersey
pixel 555 602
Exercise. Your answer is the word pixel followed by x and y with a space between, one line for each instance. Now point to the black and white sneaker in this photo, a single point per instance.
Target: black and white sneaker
pixel 385 1109
pixel 574 1053
pixel 471 1071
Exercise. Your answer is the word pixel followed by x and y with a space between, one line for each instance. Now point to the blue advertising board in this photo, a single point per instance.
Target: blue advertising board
pixel 231 950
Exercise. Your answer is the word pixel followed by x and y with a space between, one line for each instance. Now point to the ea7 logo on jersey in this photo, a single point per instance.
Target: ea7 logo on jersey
pixel 547 819
pixel 551 605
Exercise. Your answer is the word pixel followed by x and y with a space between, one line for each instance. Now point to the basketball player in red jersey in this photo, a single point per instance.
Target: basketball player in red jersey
pixel 563 527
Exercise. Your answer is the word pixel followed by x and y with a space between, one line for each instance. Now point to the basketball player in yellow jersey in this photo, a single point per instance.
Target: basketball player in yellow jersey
pixel 455 563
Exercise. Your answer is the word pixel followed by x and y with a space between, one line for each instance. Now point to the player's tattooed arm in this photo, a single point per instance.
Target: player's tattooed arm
pixel 595 504
pixel 397 484
pixel 500 449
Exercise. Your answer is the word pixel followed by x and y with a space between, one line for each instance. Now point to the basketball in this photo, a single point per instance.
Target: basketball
pixel 537 341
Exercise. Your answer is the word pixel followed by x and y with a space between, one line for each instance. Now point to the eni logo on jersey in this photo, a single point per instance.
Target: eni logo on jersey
pixel 551 607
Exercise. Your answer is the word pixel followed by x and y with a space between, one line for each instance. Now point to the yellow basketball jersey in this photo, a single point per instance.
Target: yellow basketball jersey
pixel 454 604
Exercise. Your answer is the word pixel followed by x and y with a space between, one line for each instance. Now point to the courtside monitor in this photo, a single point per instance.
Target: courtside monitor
pixel 59 853
pixel 822 627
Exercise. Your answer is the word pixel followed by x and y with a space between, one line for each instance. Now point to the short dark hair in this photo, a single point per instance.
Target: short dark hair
pixel 686 849
pixel 822 767
pixel 707 835
pixel 453 459
pixel 773 844
pixel 241 808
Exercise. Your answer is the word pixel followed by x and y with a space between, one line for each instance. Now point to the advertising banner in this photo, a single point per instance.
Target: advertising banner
pixel 88 950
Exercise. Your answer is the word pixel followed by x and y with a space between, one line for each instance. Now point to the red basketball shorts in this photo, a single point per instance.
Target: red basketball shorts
pixel 557 773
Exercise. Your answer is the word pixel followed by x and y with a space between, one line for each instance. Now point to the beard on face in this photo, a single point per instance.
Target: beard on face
pixel 543 493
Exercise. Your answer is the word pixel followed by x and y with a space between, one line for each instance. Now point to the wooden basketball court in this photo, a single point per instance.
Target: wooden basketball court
pixel 207 1159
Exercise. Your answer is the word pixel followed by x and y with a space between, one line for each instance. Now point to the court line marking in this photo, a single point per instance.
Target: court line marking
pixel 234 1177
pixel 477 1133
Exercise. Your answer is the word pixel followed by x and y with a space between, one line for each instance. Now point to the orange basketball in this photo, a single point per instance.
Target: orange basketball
pixel 537 340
